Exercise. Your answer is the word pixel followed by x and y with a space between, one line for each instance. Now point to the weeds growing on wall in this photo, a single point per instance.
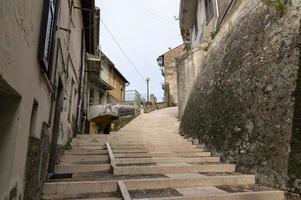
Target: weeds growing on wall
pixel 214 33
pixel 278 5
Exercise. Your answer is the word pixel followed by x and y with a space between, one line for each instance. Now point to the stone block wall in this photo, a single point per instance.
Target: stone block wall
pixel 161 105
pixel 36 165
pixel 170 74
pixel 244 103
pixel 121 122
pixel 187 71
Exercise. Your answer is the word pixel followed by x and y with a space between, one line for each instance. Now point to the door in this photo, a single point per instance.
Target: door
pixel 56 127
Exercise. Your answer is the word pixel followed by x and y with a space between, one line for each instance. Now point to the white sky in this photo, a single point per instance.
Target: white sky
pixel 145 29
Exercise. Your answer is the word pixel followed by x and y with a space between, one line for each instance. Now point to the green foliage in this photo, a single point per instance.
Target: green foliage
pixel 278 5
pixel 214 33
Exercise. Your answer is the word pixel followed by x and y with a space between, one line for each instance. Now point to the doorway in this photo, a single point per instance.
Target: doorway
pixel 56 127
pixel 9 107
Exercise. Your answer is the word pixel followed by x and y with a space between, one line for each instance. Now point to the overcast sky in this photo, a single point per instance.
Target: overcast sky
pixel 145 29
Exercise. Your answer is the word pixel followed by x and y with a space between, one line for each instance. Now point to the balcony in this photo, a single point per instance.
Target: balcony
pixel 94 72
pixel 105 114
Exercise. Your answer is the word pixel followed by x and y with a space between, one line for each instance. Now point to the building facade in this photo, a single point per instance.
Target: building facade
pixel 25 91
pixel 239 79
pixel 168 63
pixel 133 96
pixel 201 24
pixel 107 88
pixel 114 77
pixel 42 75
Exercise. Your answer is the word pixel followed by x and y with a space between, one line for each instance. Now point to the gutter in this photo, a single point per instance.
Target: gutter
pixel 217 13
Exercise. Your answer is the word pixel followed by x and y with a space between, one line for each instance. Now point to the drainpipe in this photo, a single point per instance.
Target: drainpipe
pixel 217 14
pixel 79 98
pixel 52 63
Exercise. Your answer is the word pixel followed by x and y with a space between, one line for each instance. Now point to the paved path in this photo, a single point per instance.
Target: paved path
pixel 148 159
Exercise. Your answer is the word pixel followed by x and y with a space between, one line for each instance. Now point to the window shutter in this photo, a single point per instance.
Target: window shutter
pixel 46 33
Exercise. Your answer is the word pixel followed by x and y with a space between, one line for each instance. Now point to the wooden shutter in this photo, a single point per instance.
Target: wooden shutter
pixel 46 33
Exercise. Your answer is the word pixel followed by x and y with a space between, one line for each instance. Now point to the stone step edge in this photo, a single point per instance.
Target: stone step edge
pixel 138 170
pixel 259 195
pixel 123 190
pixel 166 160
pixel 52 188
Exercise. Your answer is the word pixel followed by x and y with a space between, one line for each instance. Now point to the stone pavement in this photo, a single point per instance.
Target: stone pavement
pixel 148 159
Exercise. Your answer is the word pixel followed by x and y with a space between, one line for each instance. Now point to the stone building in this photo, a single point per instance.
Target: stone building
pixel 99 83
pixel 107 88
pixel 42 90
pixel 167 62
pixel 133 96
pixel 119 83
pixel 239 83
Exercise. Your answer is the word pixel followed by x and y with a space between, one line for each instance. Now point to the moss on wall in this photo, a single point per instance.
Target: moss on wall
pixel 121 122
pixel 278 5
pixel 36 168
pixel 295 154
pixel 242 104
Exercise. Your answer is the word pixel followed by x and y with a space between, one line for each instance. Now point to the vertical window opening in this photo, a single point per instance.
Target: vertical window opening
pixel 209 10
pixel 33 119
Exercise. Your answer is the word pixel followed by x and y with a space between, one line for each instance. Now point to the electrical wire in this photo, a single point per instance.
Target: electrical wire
pixel 121 49
pixel 151 11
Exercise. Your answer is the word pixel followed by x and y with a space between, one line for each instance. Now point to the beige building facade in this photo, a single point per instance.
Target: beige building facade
pixel 107 88
pixel 114 78
pixel 199 27
pixel 168 64
pixel 25 91
pixel 42 87
pixel 239 79
pixel 202 22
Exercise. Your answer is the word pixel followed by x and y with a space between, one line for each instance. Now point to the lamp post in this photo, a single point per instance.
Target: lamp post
pixel 147 83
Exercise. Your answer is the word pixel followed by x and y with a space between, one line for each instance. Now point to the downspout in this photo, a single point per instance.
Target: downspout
pixel 217 14
pixel 54 42
pixel 79 98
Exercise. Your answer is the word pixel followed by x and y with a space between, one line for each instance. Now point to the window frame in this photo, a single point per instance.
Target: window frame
pixel 209 10
pixel 196 27
pixel 46 35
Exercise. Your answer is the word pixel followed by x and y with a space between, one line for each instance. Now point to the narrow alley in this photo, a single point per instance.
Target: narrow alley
pixel 148 159
pixel 150 99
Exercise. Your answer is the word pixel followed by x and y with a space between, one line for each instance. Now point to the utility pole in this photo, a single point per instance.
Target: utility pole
pixel 147 83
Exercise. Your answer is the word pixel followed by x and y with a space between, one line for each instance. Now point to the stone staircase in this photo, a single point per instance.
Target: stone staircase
pixel 147 159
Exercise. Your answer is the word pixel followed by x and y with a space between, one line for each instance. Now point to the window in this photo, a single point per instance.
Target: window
pixel 114 82
pixel 122 94
pixel 91 95
pixel 47 28
pixel 196 27
pixel 209 10
pixel 70 100
pixel 71 5
pixel 33 119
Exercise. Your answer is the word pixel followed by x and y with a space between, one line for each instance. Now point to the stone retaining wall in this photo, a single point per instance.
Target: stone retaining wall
pixel 243 101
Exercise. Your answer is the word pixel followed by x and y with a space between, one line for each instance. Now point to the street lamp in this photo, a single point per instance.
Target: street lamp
pixel 160 61
pixel 147 84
